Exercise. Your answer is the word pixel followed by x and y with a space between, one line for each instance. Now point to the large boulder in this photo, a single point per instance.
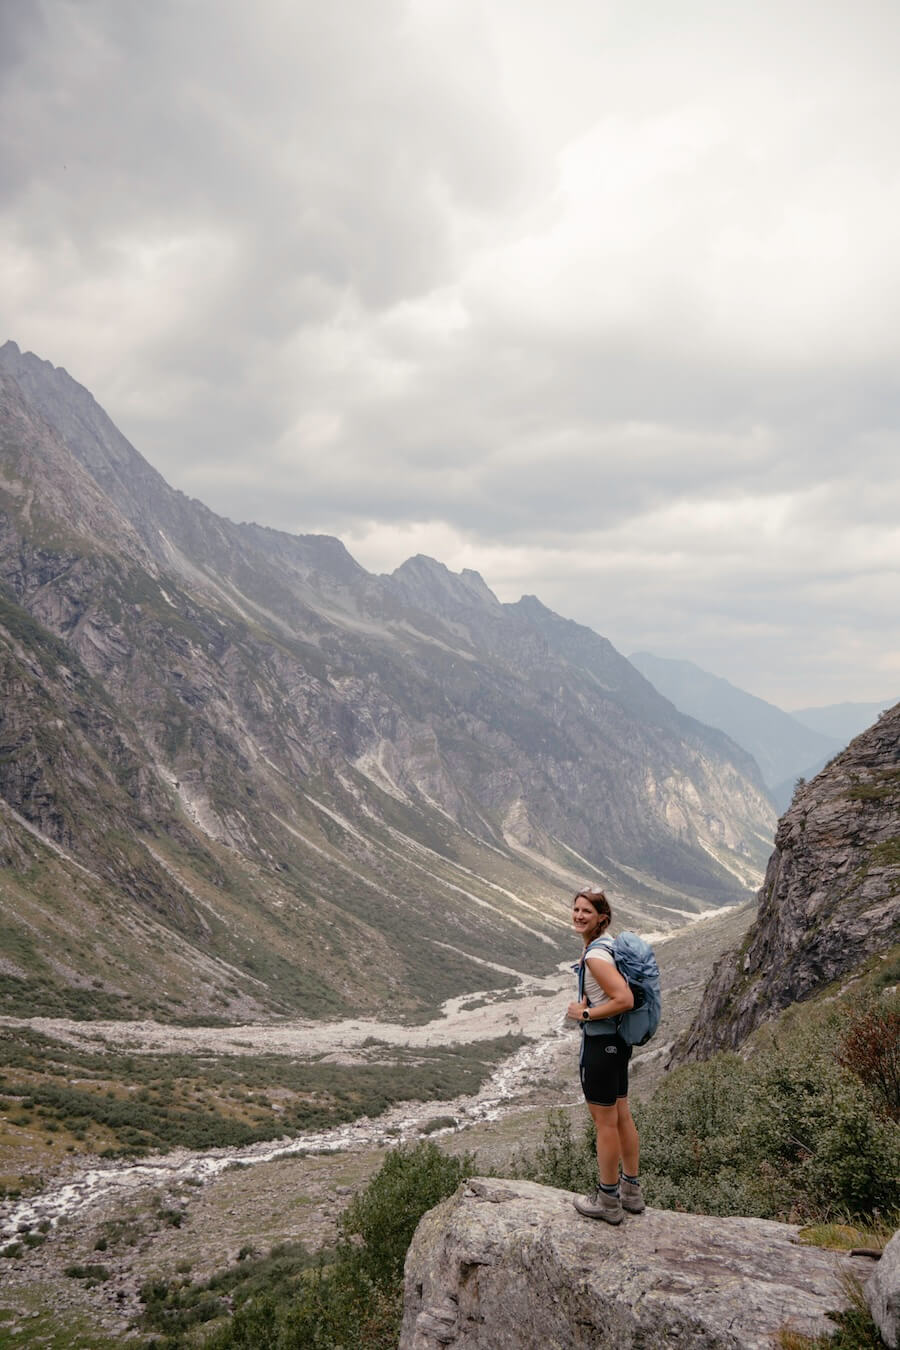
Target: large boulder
pixel 506 1265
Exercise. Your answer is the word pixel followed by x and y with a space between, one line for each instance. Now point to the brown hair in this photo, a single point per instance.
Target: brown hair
pixel 600 903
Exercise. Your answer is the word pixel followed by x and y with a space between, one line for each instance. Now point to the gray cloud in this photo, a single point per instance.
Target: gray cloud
pixel 605 308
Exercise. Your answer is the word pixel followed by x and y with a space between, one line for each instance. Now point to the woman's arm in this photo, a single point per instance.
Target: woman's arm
pixel 614 985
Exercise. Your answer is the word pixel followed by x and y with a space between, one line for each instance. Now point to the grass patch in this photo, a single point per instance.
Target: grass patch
pixel 845 1237
pixel 886 854
pixel 49 1332
pixel 883 787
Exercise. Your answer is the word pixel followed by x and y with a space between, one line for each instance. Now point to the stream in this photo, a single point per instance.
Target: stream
pixel 66 1196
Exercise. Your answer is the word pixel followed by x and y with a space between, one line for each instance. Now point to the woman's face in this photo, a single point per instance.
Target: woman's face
pixel 585 918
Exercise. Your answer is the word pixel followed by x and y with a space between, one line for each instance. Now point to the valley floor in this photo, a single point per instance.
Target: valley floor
pixel 179 1213
pixel 527 1010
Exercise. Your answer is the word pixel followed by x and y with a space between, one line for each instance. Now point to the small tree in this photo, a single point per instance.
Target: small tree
pixel 870 1050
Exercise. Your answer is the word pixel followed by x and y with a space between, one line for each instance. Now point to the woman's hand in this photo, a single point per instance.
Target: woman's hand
pixel 575 1010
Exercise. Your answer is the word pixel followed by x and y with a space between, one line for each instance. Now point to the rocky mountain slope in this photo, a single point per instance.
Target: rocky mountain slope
pixel 831 897
pixel 782 745
pixel 239 774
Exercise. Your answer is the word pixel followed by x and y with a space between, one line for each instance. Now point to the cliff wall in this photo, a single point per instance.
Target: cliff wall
pixel 831 896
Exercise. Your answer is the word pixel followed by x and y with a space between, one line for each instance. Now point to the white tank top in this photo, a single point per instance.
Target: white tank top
pixel 596 995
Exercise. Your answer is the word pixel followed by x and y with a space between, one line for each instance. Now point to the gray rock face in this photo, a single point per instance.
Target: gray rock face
pixel 509 1265
pixel 831 897
pixel 883 1293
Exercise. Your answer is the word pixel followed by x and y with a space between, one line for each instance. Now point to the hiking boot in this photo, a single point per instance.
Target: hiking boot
pixel 599 1205
pixel 632 1196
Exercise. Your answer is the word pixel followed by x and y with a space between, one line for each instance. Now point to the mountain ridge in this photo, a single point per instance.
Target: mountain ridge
pixel 309 725
pixel 782 745
pixel 843 721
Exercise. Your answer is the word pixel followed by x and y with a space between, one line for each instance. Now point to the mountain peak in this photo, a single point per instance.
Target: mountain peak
pixel 303 553
pixel 532 606
pixel 429 583
pixel 18 362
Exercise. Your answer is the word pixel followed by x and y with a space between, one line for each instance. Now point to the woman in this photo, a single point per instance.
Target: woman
pixel 604 1067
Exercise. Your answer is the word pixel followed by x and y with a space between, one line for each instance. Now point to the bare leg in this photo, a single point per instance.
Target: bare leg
pixel 628 1142
pixel 606 1123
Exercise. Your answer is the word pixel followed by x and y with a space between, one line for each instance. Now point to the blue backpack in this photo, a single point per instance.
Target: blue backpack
pixel 636 963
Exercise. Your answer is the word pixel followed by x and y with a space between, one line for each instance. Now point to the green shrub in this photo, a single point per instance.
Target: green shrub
pixel 785 1135
pixel 856 1164
pixel 337 1308
pixel 561 1159
pixel 438 1123
pixel 353 1302
pixel 91 1274
pixel 410 1181
pixel 173 1306
pixel 693 1155
pixel 812 1131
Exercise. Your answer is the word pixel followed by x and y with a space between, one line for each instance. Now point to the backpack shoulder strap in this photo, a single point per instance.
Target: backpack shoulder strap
pixel 604 942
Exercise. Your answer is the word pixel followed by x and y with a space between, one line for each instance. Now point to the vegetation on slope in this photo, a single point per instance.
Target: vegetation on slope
pixel 781 1135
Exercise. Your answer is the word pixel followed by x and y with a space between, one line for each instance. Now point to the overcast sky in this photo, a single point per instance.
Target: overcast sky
pixel 598 297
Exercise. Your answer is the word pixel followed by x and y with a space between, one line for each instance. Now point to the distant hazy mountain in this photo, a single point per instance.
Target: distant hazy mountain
pixel 240 774
pixel 782 793
pixel 783 747
pixel 842 721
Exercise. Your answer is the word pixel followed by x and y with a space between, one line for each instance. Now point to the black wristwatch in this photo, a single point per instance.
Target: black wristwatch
pixel 586 1015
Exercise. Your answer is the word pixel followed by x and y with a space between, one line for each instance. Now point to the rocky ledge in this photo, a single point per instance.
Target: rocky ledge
pixel 504 1265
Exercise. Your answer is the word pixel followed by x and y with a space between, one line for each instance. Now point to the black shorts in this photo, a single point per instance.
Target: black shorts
pixel 604 1069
